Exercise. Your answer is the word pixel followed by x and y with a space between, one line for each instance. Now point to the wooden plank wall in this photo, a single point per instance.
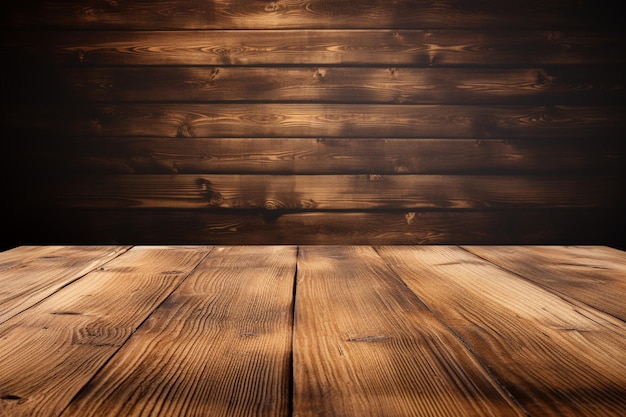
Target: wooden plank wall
pixel 313 121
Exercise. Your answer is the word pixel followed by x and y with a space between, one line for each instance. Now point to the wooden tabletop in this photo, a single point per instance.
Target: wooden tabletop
pixel 313 331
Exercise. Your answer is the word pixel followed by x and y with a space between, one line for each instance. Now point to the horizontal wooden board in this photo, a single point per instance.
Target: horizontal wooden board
pixel 330 192
pixel 224 14
pixel 178 226
pixel 86 155
pixel 317 120
pixel 313 84
pixel 319 47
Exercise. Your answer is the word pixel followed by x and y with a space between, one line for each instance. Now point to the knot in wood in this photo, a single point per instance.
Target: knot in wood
pixel 272 7
pixel 272 204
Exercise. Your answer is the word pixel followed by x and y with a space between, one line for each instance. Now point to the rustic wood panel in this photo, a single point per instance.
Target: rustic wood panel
pixel 111 155
pixel 258 14
pixel 529 92
pixel 178 226
pixel 595 275
pixel 318 120
pixel 186 330
pixel 332 192
pixel 555 358
pixel 33 276
pixel 401 85
pixel 319 47
pixel 220 345
pixel 366 346
pixel 65 339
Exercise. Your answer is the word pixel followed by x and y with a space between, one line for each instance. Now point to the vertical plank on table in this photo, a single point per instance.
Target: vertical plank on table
pixel 28 274
pixel 50 351
pixel 594 275
pixel 364 345
pixel 557 359
pixel 220 345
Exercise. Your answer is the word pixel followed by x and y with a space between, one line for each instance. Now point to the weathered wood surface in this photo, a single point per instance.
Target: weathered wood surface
pixel 333 192
pixel 319 47
pixel 29 275
pixel 50 351
pixel 231 227
pixel 259 14
pixel 318 120
pixel 382 156
pixel 390 85
pixel 595 275
pixel 297 331
pixel 220 345
pixel 556 358
pixel 301 88
pixel 365 346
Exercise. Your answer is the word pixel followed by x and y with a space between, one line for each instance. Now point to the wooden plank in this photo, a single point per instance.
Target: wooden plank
pixel 382 156
pixel 220 345
pixel 30 275
pixel 316 120
pixel 330 192
pixel 555 358
pixel 178 226
pixel 374 85
pixel 366 346
pixel 258 14
pixel 49 352
pixel 15 257
pixel 594 275
pixel 437 47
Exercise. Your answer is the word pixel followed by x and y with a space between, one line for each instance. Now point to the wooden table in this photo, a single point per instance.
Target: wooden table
pixel 313 331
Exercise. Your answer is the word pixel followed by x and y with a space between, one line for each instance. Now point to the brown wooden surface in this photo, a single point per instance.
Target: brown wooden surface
pixel 319 120
pixel 29 275
pixel 158 155
pixel 220 344
pixel 365 346
pixel 317 330
pixel 52 349
pixel 259 226
pixel 333 192
pixel 594 274
pixel 320 47
pixel 534 343
pixel 392 85
pixel 259 14
pixel 517 105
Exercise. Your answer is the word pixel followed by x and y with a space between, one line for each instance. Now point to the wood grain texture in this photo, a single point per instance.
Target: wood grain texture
pixel 331 192
pixel 220 345
pixel 364 345
pixel 49 352
pixel 593 275
pixel 387 330
pixel 258 14
pixel 521 89
pixel 555 358
pixel 181 226
pixel 28 276
pixel 317 120
pixel 382 156
pixel 319 47
pixel 354 84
